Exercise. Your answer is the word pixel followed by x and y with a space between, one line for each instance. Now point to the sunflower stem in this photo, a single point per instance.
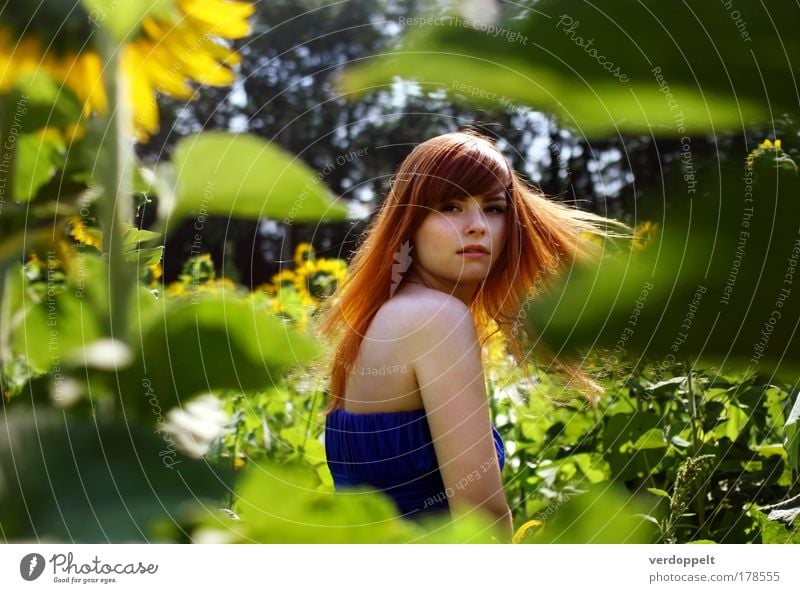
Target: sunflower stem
pixel 116 204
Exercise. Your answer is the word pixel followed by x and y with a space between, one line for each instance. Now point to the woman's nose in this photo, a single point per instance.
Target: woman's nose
pixel 476 220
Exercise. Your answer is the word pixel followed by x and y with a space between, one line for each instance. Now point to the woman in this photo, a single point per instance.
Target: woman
pixel 449 260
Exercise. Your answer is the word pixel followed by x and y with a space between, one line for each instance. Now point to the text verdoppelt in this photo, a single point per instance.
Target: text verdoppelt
pixel 683 560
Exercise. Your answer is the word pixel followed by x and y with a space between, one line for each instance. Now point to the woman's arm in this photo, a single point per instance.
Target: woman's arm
pixel 448 368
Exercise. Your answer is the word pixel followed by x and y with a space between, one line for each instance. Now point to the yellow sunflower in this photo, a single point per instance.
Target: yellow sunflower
pixel 83 233
pixel 303 253
pixel 178 289
pixel 266 288
pixel 153 275
pixel 183 42
pixel 319 278
pixel 219 285
pixel 282 279
pixel 771 153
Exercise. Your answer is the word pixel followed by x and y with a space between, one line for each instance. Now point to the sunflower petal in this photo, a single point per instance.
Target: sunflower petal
pixel 83 74
pixel 223 19
pixel 198 64
pixel 213 46
pixel 165 79
pixel 145 107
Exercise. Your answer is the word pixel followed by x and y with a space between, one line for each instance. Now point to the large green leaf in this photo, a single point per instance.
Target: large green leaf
pixel 211 341
pixel 69 479
pixel 605 514
pixel 243 176
pixel 284 504
pixel 56 330
pixel 719 285
pixel 646 67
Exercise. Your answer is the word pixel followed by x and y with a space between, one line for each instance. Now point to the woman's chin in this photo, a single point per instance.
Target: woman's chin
pixel 472 277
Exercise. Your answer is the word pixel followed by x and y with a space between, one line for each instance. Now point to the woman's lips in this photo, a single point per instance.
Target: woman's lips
pixel 473 254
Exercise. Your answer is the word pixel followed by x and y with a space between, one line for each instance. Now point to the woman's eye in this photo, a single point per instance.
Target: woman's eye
pixel 492 209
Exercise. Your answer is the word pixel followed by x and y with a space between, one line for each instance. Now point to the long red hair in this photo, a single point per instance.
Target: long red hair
pixel 544 237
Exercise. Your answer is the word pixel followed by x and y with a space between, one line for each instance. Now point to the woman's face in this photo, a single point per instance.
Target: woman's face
pixel 454 225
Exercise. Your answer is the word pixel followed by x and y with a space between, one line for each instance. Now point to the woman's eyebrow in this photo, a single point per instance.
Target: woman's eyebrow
pixel 486 197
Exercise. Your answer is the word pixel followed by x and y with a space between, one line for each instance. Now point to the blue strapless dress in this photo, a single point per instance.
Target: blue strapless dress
pixel 392 452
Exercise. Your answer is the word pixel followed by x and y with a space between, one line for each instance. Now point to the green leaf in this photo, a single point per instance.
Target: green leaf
pixel 781 525
pixel 652 439
pixel 314 452
pixel 733 425
pixel 659 492
pixel 190 346
pixel 623 429
pixel 606 513
pixel 145 257
pixel 37 161
pixel 293 436
pixel 243 176
pixel 75 480
pixel 678 441
pixel 621 433
pixel 667 386
pixel 767 451
pixel 283 504
pixel 134 236
pixel 533 431
pixel 594 467
pixel 650 518
pixel 649 67
pixel 56 329
pixel 325 476
pixel 694 295
pixel 38 101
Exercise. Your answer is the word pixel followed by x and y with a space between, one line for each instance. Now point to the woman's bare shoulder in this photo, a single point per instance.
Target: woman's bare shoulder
pixel 422 296
pixel 422 307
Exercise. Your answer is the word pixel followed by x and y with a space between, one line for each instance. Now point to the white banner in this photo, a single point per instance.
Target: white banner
pixel 398 568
